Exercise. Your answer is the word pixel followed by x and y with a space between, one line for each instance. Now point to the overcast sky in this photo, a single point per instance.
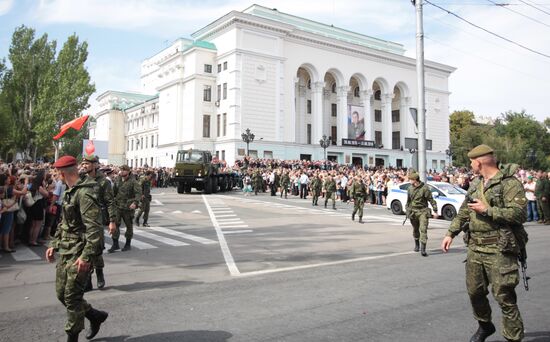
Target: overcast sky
pixel 493 76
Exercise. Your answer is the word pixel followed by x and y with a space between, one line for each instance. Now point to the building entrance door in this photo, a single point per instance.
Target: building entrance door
pixel 305 157
pixel 357 161
pixel 379 162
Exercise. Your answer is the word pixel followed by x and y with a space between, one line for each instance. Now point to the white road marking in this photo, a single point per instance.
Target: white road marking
pixel 165 240
pixel 235 226
pixel 230 262
pixel 226 215
pixel 196 212
pixel 136 243
pixel 176 212
pixel 156 202
pixel 237 231
pixel 158 212
pixel 24 253
pixel 183 235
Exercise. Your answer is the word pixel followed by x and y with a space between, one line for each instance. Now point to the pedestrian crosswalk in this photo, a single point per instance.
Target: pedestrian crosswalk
pixel 144 239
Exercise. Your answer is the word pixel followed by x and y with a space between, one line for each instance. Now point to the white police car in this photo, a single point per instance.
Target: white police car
pixel 449 198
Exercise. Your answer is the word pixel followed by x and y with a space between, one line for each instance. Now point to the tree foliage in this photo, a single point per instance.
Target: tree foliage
pixel 516 137
pixel 42 90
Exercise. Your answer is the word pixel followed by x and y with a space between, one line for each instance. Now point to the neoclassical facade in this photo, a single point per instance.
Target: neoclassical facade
pixel 291 81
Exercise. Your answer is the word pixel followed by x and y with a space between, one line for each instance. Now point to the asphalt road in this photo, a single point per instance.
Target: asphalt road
pixel 227 267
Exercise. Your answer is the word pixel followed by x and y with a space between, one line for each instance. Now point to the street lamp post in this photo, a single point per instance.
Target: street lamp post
pixel 248 137
pixel 414 160
pixel 449 154
pixel 325 142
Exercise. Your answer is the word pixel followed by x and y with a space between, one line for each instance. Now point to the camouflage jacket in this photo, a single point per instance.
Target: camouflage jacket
pixel 418 198
pixel 80 231
pixel 316 184
pixel 330 186
pixel 358 190
pixel 145 184
pixel 126 193
pixel 542 189
pixel 507 208
pixel 285 181
pixel 104 192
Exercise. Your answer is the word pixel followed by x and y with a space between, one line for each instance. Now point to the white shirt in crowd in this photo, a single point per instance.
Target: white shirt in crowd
pixel 304 179
pixel 530 191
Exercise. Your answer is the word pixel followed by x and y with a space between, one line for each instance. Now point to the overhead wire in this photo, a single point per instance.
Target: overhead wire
pixel 488 31
pixel 518 13
pixel 535 7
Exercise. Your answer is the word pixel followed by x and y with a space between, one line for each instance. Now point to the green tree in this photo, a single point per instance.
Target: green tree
pixel 42 91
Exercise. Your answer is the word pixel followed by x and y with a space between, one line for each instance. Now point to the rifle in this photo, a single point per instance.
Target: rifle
pixel 522 258
pixel 406 218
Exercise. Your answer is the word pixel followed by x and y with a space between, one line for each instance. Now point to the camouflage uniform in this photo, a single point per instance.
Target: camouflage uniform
pixel 418 211
pixel 358 191
pixel 542 189
pixel 316 187
pixel 125 193
pixel 104 193
pixel 258 182
pixel 78 235
pixel 285 183
pixel 330 191
pixel 492 247
pixel 145 205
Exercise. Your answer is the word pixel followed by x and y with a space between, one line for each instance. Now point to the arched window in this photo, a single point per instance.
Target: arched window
pixel 356 91
pixel 333 88
pixel 378 95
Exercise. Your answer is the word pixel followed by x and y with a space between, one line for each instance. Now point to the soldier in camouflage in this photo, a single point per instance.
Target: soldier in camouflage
pixel 285 183
pixel 145 183
pixel 316 187
pixel 258 182
pixel 418 212
pixel 542 193
pixel 330 191
pixel 127 193
pixel 496 212
pixel 77 241
pixel 358 192
pixel 104 192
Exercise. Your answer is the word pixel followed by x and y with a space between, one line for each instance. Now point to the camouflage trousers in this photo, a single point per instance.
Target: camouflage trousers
pixel 419 221
pixel 69 288
pixel 128 217
pixel 315 194
pixel 332 196
pixel 543 209
pixel 358 204
pixel 501 271
pixel 284 189
pixel 144 209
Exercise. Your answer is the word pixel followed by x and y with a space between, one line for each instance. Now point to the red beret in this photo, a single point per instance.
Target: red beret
pixel 65 161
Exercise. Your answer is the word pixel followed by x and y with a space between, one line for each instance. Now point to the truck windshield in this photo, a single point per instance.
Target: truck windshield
pixel 190 156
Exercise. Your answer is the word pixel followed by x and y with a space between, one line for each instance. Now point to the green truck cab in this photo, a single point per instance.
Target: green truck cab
pixel 197 169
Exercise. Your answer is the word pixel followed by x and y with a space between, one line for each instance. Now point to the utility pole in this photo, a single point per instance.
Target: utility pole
pixel 421 91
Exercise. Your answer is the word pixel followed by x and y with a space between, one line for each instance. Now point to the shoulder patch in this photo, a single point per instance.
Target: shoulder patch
pixel 520 200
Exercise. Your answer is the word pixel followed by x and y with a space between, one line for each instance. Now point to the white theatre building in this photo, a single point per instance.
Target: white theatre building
pixel 289 80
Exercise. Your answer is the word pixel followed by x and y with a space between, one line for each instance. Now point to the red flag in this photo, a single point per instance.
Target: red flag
pixel 74 124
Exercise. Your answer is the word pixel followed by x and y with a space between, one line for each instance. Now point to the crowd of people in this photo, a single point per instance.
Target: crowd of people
pixel 31 192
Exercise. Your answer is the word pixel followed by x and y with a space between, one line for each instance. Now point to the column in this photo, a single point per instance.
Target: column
pixel 366 101
pixel 406 120
pixel 342 114
pixel 294 110
pixel 317 112
pixel 386 120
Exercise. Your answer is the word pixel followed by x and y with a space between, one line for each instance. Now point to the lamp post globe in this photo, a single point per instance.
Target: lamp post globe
pixel 247 137
pixel 325 142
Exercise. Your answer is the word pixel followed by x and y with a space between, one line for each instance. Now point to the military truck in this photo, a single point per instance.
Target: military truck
pixel 197 169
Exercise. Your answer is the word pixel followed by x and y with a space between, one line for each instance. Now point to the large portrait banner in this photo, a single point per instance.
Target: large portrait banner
pixel 356 122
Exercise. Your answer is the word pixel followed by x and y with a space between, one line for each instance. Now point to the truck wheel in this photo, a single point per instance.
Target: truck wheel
pixel 188 188
pixel 208 186
pixel 180 187
pixel 215 185
pixel 223 185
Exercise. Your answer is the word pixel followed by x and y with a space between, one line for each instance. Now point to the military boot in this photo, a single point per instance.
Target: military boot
pixel 100 278
pixel 361 219
pixel 485 330
pixel 95 317
pixel 416 245
pixel 353 216
pixel 334 207
pixel 127 245
pixel 145 224
pixel 137 221
pixel 89 286
pixel 325 205
pixel 72 337
pixel 114 247
pixel 423 249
